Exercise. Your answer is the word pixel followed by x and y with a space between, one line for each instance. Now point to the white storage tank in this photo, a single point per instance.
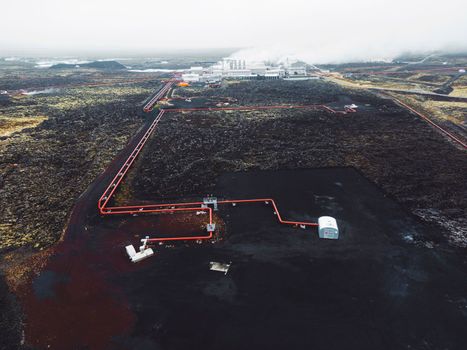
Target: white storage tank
pixel 327 227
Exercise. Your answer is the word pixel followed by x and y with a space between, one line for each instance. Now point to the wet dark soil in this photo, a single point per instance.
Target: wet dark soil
pixel 378 287
pixel 10 322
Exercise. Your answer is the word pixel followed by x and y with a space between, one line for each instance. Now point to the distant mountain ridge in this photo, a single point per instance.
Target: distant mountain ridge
pixel 111 65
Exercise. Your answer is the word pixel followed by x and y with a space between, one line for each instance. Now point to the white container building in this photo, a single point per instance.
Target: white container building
pixel 210 78
pixel 327 227
pixel 191 77
pixel 138 256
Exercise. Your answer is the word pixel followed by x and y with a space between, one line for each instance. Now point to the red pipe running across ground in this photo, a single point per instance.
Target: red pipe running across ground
pixel 257 108
pixel 148 106
pixel 110 190
pixel 429 121
pixel 186 207
pixel 170 211
pixel 276 210
pixel 453 69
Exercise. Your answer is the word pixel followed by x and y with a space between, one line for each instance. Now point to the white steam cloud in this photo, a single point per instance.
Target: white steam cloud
pixel 363 30
pixel 338 52
pixel 316 31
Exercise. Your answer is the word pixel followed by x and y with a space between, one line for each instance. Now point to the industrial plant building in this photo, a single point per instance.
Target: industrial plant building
pixel 231 68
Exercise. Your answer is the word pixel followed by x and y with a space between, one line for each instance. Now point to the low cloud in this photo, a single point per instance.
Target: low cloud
pixel 316 31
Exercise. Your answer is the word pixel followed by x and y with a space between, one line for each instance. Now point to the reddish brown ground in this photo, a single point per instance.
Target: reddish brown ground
pixel 84 305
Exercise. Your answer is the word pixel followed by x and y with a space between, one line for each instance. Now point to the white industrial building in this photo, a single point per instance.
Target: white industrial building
pixel 191 77
pixel 296 71
pixel 274 73
pixel 208 78
pixel 231 68
pixel 241 69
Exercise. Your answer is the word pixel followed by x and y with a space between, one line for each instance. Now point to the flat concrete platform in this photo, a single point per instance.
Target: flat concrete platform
pixel 379 286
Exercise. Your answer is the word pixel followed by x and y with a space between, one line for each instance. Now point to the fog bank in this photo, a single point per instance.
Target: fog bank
pixel 310 30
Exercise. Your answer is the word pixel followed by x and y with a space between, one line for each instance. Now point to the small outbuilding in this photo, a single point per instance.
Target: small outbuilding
pixel 138 256
pixel 327 227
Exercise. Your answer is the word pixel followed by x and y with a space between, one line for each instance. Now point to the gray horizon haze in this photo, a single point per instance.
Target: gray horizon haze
pixel 328 31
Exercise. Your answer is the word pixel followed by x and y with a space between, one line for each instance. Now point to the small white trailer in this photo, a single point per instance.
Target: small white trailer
pixel 327 227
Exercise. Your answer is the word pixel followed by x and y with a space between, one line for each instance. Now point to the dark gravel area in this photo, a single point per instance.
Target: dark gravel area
pixel 380 286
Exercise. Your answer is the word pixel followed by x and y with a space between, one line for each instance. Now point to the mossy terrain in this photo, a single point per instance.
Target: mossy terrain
pixel 55 141
pixel 9 125
pixel 442 111
pixel 460 87
pixel 437 88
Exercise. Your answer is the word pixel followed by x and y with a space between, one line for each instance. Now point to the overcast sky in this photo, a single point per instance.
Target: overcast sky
pixel 317 31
